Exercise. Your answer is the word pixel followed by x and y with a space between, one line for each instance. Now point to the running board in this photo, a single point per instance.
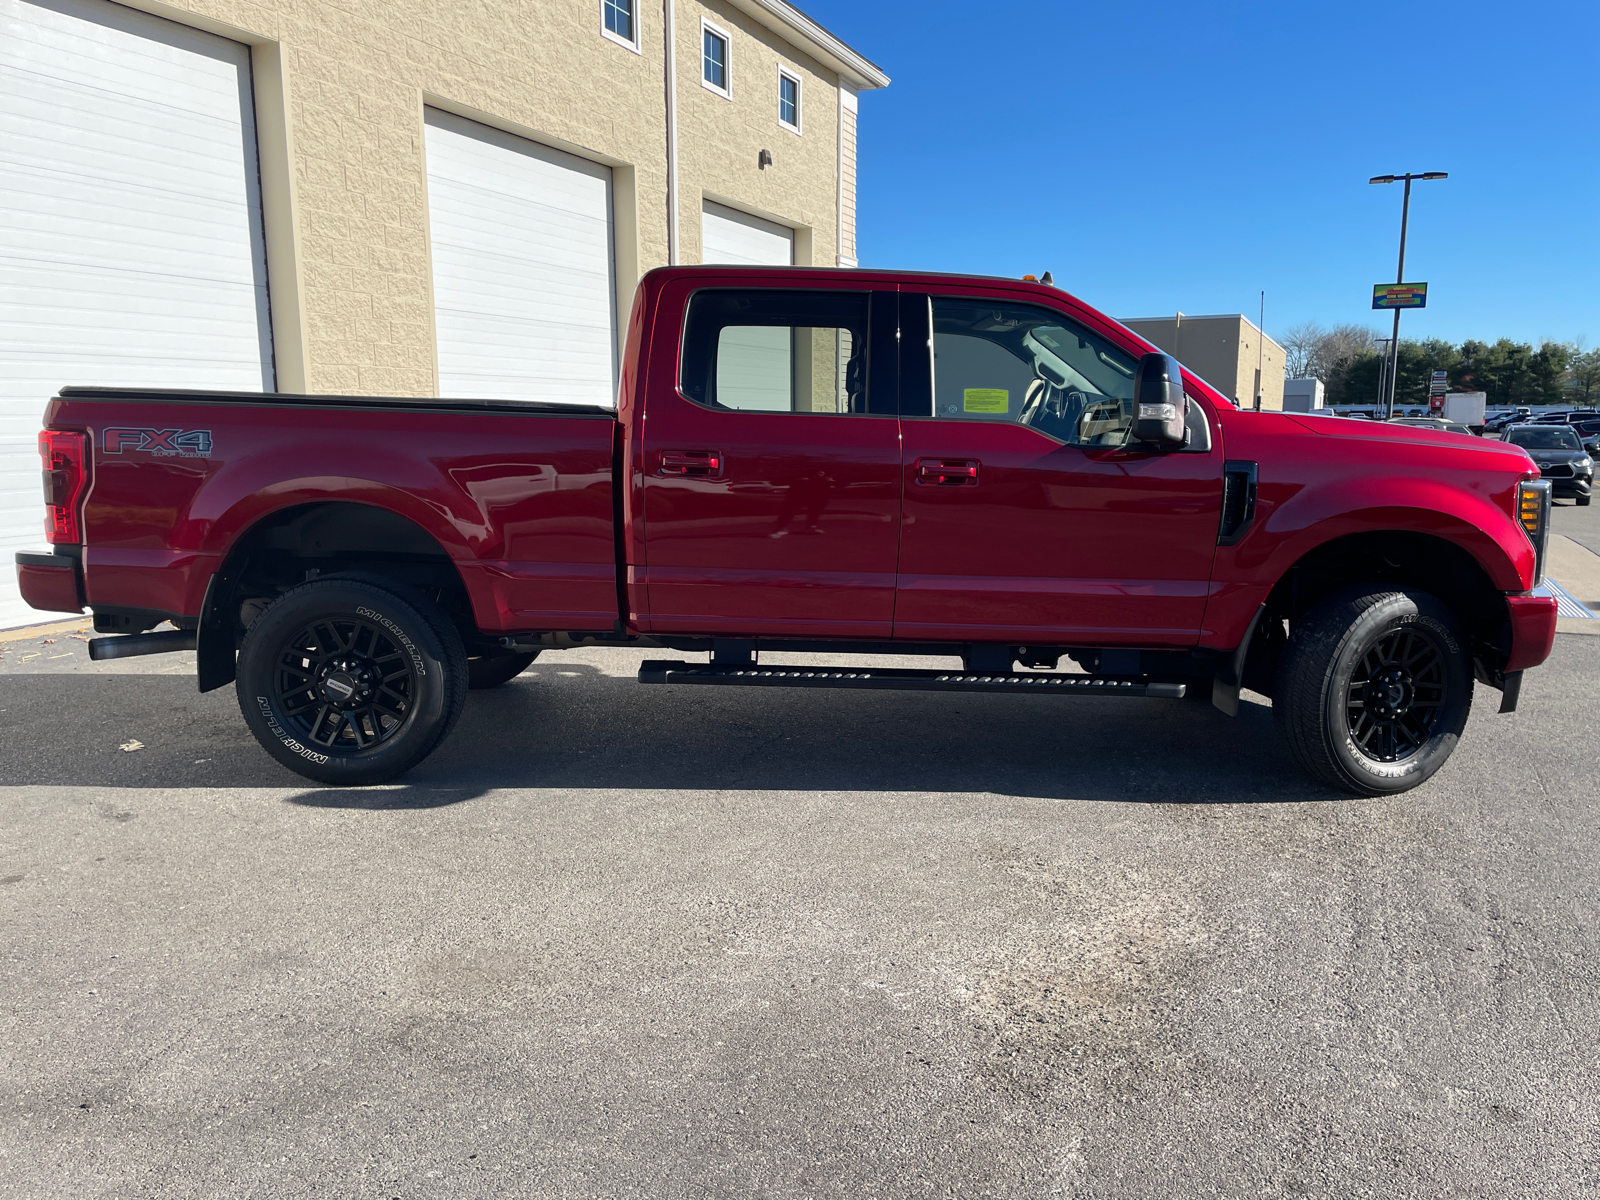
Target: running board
pixel 887 679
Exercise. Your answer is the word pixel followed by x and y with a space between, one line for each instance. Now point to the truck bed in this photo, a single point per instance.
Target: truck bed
pixel 518 496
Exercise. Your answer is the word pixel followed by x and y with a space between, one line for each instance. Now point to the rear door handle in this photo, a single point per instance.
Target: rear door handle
pixel 695 464
pixel 948 472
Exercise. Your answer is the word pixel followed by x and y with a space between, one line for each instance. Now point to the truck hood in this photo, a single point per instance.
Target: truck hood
pixel 1497 454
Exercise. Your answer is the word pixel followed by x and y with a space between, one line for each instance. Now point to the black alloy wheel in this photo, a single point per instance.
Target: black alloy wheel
pixel 344 683
pixel 347 682
pixel 1373 689
pixel 1396 694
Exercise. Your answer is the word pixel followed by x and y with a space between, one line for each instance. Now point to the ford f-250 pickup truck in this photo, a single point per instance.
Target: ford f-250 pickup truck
pixel 839 462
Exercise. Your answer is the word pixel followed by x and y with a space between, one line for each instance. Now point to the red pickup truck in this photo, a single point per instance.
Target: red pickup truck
pixel 836 462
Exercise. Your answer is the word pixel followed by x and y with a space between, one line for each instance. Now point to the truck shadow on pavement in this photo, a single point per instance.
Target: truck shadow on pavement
pixel 569 726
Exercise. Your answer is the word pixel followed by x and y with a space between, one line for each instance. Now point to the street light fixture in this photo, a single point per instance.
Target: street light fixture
pixel 1400 277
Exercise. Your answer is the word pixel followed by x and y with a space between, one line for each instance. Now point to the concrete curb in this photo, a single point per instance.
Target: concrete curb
pixel 79 625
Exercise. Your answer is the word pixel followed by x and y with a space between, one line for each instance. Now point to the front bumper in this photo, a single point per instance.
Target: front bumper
pixel 1579 485
pixel 51 582
pixel 1533 630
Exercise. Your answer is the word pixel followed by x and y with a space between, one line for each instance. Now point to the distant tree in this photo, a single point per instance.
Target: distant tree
pixel 1547 368
pixel 1583 377
pixel 1350 365
pixel 1312 352
pixel 1418 362
pixel 1355 379
pixel 1300 346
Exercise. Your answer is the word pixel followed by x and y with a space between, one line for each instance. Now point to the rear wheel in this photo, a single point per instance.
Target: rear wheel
pixel 346 682
pixel 1373 690
pixel 491 670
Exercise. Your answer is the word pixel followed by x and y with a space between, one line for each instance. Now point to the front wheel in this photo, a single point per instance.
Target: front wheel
pixel 1583 501
pixel 1373 690
pixel 346 682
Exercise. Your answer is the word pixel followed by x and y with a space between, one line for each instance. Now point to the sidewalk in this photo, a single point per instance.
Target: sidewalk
pixel 1577 570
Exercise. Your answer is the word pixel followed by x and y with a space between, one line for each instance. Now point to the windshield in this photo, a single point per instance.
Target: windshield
pixel 1544 439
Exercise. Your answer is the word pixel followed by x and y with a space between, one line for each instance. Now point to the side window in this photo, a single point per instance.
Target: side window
pixel 714 59
pixel 1029 366
pixel 788 100
pixel 618 23
pixel 772 351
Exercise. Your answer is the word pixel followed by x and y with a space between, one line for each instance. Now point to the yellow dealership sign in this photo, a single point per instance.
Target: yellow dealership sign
pixel 1399 295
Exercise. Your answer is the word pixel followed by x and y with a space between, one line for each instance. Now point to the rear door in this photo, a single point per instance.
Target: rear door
pixel 771 463
pixel 1028 516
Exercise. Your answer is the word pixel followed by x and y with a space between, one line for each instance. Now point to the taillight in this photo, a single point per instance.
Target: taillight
pixel 65 477
pixel 1533 514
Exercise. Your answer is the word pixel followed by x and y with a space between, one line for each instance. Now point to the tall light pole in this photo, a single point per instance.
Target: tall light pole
pixel 1383 369
pixel 1400 277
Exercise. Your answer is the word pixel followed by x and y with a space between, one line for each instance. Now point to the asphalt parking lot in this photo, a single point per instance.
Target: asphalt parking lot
pixel 616 941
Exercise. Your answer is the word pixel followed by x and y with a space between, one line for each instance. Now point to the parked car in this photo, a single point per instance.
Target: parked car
pixel 1438 423
pixel 842 462
pixel 1515 416
pixel 1560 457
pixel 1549 418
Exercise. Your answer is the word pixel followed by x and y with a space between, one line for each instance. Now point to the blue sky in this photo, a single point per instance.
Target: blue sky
pixel 1161 156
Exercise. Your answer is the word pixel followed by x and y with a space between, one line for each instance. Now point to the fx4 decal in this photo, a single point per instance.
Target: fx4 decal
pixel 163 443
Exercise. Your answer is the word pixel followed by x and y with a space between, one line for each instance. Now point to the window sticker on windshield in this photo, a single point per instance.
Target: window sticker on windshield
pixel 986 400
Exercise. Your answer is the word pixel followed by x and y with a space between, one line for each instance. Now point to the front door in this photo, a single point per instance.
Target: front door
pixel 1027 516
pixel 771 484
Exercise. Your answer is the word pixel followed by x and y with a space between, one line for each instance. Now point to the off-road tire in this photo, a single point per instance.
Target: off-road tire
pixel 399 659
pixel 491 670
pixel 1373 690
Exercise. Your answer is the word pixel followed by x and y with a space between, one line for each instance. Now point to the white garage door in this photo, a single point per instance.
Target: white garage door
pixel 728 236
pixel 131 246
pixel 750 358
pixel 523 288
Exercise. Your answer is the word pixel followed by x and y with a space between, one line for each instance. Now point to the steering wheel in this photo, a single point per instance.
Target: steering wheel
pixel 1050 404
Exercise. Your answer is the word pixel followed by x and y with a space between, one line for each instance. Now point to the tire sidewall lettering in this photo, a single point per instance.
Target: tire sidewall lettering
pixel 1416 618
pixel 400 636
pixel 283 735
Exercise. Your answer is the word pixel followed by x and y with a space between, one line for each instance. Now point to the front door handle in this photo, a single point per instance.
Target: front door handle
pixel 948 472
pixel 693 464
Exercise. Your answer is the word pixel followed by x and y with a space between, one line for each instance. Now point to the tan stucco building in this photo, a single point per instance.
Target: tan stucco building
pixel 341 93
pixel 407 197
pixel 1226 351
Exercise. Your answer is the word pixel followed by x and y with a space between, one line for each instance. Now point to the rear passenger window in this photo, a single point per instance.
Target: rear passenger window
pixel 1029 366
pixel 774 351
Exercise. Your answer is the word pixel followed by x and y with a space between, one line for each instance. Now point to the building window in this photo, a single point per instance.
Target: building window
pixel 788 100
pixel 619 22
pixel 714 59
pixel 619 18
